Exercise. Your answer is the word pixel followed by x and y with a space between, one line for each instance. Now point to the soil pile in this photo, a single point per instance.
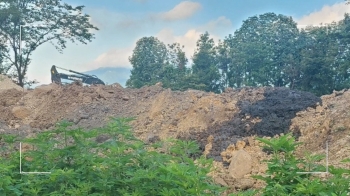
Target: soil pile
pixel 224 124
pixel 328 123
pixel 10 94
pixel 6 83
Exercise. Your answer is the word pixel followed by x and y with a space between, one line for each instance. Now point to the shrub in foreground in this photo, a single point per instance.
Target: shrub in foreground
pixel 80 164
pixel 283 175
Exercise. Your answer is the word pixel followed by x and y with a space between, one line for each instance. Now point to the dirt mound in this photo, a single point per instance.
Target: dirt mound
pixel 10 94
pixel 9 99
pixel 6 83
pixel 258 112
pixel 223 124
pixel 329 122
pixel 162 112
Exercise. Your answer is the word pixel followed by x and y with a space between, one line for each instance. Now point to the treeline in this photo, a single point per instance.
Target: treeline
pixel 267 50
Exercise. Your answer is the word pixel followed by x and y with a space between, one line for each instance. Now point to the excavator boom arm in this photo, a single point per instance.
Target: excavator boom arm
pixel 85 78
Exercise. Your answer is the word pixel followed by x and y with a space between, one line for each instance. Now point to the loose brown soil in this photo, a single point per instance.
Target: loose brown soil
pixel 221 123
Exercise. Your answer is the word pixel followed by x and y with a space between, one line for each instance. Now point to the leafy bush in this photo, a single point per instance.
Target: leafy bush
pixel 283 177
pixel 121 165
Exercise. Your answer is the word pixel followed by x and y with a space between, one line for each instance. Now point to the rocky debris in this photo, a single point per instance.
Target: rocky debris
pixel 151 138
pixel 221 176
pixel 10 97
pixel 102 138
pixel 244 183
pixel 328 122
pixel 240 145
pixel 241 164
pixel 228 153
pixel 277 108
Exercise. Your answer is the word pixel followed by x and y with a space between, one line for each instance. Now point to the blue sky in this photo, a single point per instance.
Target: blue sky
pixel 123 22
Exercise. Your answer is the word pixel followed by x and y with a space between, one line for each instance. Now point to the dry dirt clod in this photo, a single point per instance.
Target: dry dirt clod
pixel 240 145
pixel 20 112
pixel 220 181
pixel 241 164
pixel 244 184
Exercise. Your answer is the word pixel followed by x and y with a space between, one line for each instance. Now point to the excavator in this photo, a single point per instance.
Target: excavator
pixel 84 78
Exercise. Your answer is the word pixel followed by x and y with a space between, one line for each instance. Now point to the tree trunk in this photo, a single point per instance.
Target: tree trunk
pixel 20 77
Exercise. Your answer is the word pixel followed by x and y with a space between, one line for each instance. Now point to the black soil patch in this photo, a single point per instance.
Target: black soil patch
pixel 268 116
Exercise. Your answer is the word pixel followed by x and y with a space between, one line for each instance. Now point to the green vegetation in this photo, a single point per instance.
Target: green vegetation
pixel 154 62
pixel 282 177
pixel 267 50
pixel 205 74
pixel 61 23
pixel 122 165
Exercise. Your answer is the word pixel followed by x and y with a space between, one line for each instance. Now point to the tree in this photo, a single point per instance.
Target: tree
pixel 341 34
pixel 154 62
pixel 3 67
pixel 40 21
pixel 316 60
pixel 148 60
pixel 205 73
pixel 175 71
pixel 224 59
pixel 265 48
pixel 228 63
pixel 177 56
pixel 325 59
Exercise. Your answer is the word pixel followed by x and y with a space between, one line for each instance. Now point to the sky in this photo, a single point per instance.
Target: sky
pixel 122 22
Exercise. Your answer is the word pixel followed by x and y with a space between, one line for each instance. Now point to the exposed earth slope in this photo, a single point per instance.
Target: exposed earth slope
pixel 224 124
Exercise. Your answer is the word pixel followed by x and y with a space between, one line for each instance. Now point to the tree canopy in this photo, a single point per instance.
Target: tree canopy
pixel 267 50
pixel 148 60
pixel 38 22
pixel 154 62
pixel 265 46
pixel 205 73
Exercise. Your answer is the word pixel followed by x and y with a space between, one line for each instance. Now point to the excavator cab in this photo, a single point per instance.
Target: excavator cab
pixel 84 78
pixel 55 76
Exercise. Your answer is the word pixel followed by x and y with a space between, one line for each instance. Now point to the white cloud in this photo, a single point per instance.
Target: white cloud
pixel 117 57
pixel 188 39
pixel 217 29
pixel 327 14
pixel 220 27
pixel 181 11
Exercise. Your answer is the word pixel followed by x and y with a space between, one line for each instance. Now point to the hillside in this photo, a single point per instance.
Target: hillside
pixel 224 124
